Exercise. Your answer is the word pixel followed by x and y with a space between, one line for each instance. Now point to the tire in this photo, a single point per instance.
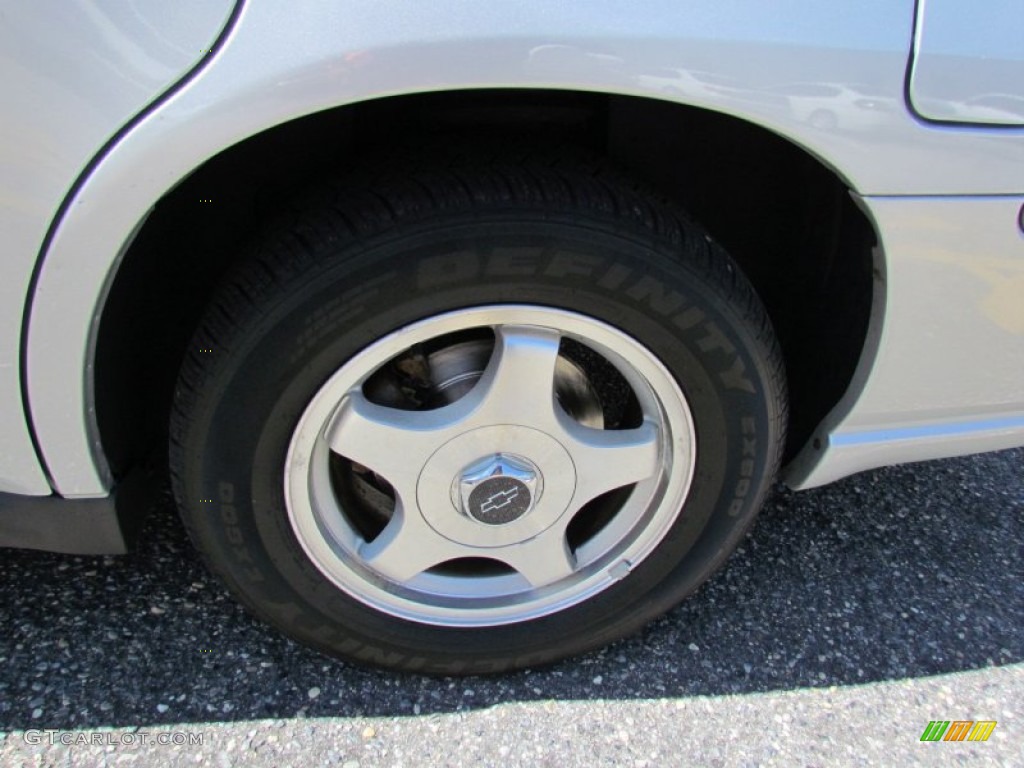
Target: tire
pixel 477 417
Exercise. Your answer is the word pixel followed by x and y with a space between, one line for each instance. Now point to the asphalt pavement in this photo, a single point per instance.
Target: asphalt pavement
pixel 850 617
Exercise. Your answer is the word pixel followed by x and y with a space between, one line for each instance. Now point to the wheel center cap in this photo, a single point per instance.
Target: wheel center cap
pixel 501 514
pixel 499 489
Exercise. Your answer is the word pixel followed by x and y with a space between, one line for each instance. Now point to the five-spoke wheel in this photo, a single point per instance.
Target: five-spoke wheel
pixel 484 489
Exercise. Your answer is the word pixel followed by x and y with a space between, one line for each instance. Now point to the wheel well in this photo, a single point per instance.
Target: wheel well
pixel 787 219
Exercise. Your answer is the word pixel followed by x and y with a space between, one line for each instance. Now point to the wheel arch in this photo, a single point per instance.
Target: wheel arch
pixel 83 439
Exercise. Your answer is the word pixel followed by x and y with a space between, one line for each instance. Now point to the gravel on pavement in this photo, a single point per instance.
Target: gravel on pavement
pixel 850 617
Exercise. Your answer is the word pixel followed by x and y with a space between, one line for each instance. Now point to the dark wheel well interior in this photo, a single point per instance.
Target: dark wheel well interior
pixel 785 217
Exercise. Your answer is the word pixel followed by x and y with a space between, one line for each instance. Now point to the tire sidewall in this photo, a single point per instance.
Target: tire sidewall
pixel 236 444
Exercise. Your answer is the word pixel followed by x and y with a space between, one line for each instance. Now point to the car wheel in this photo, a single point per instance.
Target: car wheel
pixel 476 418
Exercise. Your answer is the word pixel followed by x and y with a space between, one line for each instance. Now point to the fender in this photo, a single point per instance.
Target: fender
pixel 739 57
pixel 70 78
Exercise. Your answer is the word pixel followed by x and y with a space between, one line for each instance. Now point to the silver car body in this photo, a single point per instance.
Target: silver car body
pixel 104 118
